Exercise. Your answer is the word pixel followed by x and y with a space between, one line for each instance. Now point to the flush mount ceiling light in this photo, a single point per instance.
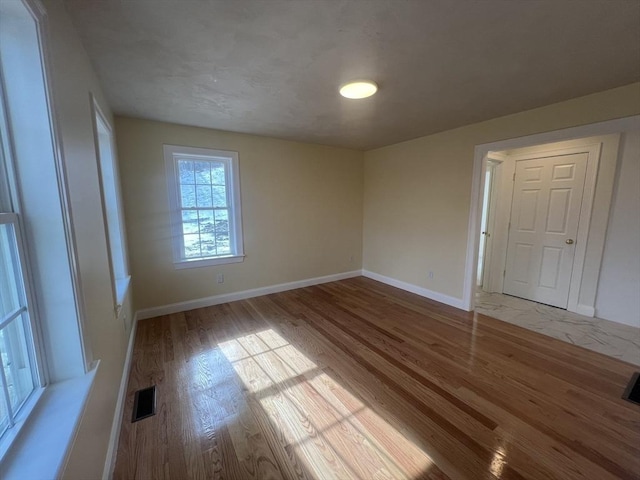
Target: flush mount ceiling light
pixel 358 89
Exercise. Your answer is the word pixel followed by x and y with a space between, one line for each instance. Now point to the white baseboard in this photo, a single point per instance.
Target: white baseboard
pixel 585 310
pixel 232 297
pixel 112 450
pixel 423 292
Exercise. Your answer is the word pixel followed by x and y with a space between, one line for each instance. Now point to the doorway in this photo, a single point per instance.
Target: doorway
pixel 487 266
pixel 545 204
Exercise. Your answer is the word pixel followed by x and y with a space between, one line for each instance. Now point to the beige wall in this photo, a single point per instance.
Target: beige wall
pixel 73 80
pixel 301 209
pixel 417 193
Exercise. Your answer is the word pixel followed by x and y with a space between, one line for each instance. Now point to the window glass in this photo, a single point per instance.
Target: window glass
pixel 17 375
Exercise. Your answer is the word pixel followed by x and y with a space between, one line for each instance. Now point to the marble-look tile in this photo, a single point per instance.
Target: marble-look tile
pixel 610 338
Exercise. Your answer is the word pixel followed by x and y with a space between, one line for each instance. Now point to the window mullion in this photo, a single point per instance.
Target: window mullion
pixel 199 234
pixel 10 316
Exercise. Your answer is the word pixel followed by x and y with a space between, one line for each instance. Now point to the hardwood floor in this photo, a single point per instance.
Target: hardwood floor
pixel 356 379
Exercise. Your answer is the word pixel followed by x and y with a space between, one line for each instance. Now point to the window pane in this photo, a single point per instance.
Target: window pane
pixel 222 220
pixel 4 414
pixel 217 174
pixel 219 196
pixel 15 357
pixel 189 221
pixel 204 195
pixel 203 174
pixel 185 168
pixel 208 244
pixel 191 246
pixel 222 232
pixel 9 273
pixel 223 243
pixel 188 196
pixel 206 221
pixel 207 232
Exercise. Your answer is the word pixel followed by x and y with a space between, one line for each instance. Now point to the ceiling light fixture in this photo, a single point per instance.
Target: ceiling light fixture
pixel 359 89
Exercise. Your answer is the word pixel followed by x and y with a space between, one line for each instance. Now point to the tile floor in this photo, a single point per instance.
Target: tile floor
pixel 603 336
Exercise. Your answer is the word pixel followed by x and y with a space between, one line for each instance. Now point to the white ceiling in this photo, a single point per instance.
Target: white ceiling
pixel 273 67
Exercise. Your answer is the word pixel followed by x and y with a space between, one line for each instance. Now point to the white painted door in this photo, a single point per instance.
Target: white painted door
pixel 545 211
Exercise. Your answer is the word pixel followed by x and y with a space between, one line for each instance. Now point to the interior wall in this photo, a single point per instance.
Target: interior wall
pixel 301 211
pixel 72 81
pixel 417 193
pixel 618 296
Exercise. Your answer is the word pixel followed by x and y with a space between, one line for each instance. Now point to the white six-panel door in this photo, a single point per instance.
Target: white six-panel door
pixel 545 211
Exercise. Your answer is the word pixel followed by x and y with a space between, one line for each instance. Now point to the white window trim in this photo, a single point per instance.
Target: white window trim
pixel 39 13
pixel 120 286
pixel 13 196
pixel 46 425
pixel 233 189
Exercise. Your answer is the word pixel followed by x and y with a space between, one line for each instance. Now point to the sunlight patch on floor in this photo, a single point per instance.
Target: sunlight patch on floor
pixel 330 432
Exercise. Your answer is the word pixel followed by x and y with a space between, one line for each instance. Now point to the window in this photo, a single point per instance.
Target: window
pixel 204 195
pixel 46 361
pixel 110 192
pixel 18 375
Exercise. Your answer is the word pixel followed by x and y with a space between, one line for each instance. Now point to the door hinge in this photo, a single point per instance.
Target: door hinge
pixel 504 273
pixel 514 177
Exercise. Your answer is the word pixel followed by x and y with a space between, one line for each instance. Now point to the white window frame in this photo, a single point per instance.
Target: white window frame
pixel 118 258
pixel 18 413
pixel 173 153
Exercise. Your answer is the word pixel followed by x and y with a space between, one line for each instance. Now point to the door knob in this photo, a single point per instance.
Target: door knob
pixel 569 241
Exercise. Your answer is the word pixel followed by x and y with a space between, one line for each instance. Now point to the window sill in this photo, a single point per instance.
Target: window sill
pixel 41 446
pixel 122 288
pixel 207 262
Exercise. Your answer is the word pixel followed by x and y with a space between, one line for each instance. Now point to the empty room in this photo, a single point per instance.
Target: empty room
pixel 319 239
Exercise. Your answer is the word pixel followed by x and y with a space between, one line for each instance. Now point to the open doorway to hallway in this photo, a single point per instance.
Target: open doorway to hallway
pixel 556 223
pixel 537 221
pixel 537 202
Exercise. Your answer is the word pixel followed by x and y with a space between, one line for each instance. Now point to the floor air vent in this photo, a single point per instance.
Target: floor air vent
pixel 632 393
pixel 144 404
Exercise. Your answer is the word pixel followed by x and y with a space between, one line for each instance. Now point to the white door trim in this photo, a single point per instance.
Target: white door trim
pixel 480 153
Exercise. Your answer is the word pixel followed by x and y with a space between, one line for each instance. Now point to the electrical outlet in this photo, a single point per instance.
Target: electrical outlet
pixel 430 274
pixel 220 278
